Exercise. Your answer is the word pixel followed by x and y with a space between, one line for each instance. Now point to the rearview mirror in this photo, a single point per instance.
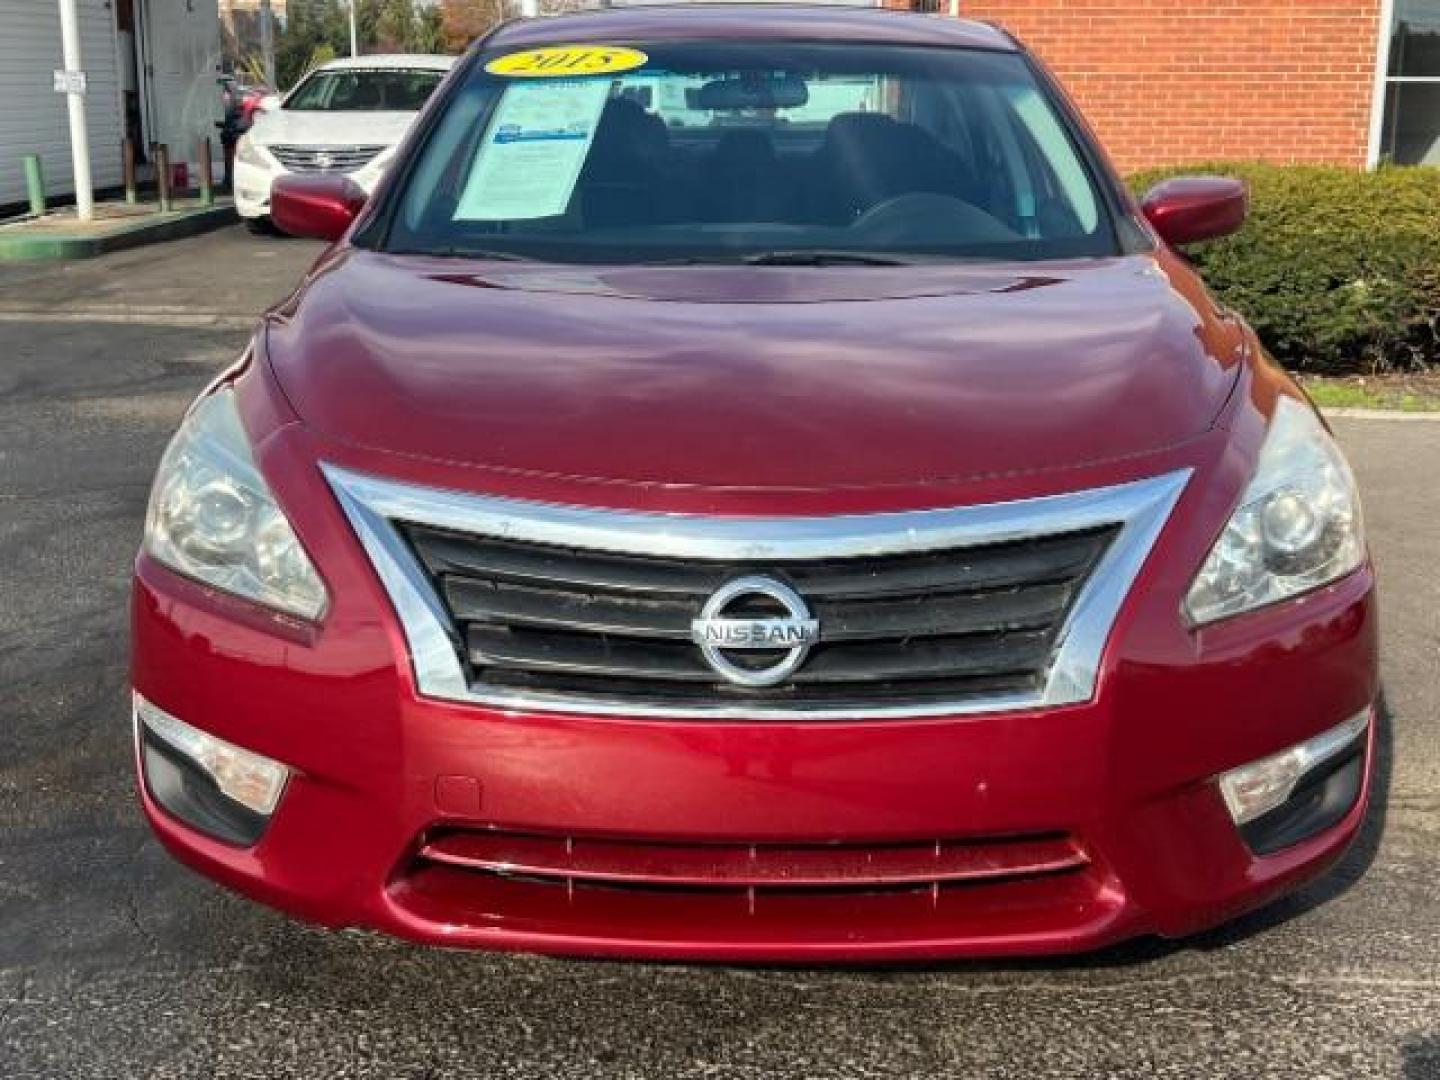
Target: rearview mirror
pixel 1188 209
pixel 750 92
pixel 269 103
pixel 318 207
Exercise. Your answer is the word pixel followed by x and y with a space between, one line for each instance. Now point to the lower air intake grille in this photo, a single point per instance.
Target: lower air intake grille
pixel 639 863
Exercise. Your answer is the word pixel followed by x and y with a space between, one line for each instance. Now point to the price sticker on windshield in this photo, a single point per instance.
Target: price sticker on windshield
pixel 567 61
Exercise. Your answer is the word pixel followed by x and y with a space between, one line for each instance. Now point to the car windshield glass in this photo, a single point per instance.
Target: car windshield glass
pixel 351 90
pixel 768 152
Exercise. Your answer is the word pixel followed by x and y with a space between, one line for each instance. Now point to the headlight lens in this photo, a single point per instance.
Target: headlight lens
pixel 212 516
pixel 380 162
pixel 248 153
pixel 1297 527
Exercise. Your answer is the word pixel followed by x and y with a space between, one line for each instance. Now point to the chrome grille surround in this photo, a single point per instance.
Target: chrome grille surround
pixel 373 505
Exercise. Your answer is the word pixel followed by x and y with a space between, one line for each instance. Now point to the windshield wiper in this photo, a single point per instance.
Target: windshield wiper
pixel 791 257
pixel 458 252
pixel 820 257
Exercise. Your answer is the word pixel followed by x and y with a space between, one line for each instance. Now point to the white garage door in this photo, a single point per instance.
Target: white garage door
pixel 32 115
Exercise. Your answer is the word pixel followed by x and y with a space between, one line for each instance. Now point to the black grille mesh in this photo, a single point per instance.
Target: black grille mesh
pixel 894 629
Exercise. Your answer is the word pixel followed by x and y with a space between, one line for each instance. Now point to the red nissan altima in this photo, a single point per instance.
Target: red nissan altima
pixel 752 485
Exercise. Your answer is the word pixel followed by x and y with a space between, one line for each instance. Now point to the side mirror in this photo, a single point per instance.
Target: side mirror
pixel 318 207
pixel 1191 208
pixel 269 103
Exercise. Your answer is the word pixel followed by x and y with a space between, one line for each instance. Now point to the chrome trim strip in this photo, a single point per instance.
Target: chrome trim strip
pixel 1140 507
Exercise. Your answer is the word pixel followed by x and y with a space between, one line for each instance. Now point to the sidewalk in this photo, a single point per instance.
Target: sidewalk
pixel 224 279
pixel 116 226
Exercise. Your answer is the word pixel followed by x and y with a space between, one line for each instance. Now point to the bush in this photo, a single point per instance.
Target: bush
pixel 1338 271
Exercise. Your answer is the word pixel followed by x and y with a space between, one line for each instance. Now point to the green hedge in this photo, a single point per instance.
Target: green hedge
pixel 1337 270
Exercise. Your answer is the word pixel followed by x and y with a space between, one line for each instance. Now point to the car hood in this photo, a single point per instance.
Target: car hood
pixel 318 128
pixel 755 377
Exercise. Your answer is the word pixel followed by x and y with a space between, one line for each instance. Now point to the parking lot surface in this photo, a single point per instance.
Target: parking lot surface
pixel 115 962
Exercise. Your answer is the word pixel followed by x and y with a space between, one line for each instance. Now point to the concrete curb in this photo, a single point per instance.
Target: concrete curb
pixel 21 245
pixel 131 316
pixel 1380 414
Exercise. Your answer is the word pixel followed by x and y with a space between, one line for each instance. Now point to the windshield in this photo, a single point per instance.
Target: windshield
pixel 751 151
pixel 351 90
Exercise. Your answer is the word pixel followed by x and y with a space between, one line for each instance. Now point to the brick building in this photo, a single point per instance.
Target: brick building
pixel 1348 82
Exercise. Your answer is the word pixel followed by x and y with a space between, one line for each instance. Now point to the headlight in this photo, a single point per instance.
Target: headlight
pixel 248 153
pixel 380 162
pixel 212 516
pixel 1297 527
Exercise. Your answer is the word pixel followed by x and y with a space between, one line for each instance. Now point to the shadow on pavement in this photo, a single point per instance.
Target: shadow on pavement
pixel 1422 1057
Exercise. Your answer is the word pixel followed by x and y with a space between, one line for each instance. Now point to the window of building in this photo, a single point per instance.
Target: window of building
pixel 1410 131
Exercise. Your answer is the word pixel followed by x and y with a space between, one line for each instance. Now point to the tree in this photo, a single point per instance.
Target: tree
pixel 462 21
pixel 429 36
pixel 319 30
pixel 311 28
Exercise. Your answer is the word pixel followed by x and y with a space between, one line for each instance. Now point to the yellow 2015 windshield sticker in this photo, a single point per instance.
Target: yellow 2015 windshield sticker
pixel 567 61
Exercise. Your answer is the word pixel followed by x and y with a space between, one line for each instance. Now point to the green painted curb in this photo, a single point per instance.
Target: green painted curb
pixel 16 245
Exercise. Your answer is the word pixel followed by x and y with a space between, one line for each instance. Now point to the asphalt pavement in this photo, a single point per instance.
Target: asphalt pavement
pixel 116 963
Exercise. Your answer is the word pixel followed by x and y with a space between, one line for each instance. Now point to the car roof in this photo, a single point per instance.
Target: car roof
pixel 751 21
pixel 424 61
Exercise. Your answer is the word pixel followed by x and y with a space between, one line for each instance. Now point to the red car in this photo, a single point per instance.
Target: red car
pixel 752 485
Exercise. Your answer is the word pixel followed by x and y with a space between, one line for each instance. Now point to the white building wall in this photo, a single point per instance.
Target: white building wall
pixel 32 116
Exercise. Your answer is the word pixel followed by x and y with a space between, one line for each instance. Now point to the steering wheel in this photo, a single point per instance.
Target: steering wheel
pixel 924 214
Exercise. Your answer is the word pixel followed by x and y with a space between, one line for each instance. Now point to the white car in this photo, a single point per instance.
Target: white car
pixel 346 116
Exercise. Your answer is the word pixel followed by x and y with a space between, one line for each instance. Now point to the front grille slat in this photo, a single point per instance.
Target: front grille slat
pixel 911 627
pixel 495 603
pixel 582 654
pixel 491 602
pixel 1016 609
pixel 998 566
pixel 1017 655
pixel 497 560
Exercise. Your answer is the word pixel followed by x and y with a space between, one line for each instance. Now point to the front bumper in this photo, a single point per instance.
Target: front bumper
pixel 1127 779
pixel 1106 810
pixel 252 186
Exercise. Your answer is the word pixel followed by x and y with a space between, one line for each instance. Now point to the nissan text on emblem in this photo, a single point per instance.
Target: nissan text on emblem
pixel 716 633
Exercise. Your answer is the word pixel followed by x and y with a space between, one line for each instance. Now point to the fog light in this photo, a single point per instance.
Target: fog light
pixel 1254 790
pixel 208 783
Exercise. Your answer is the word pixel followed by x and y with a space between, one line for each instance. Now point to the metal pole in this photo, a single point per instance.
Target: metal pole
pixel 162 176
pixel 207 181
pixel 354 47
pixel 267 43
pixel 75 98
pixel 127 157
pixel 35 184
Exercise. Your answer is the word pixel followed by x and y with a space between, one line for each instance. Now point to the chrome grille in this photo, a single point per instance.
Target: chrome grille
pixel 546 607
pixel 309 159
pixel 895 628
